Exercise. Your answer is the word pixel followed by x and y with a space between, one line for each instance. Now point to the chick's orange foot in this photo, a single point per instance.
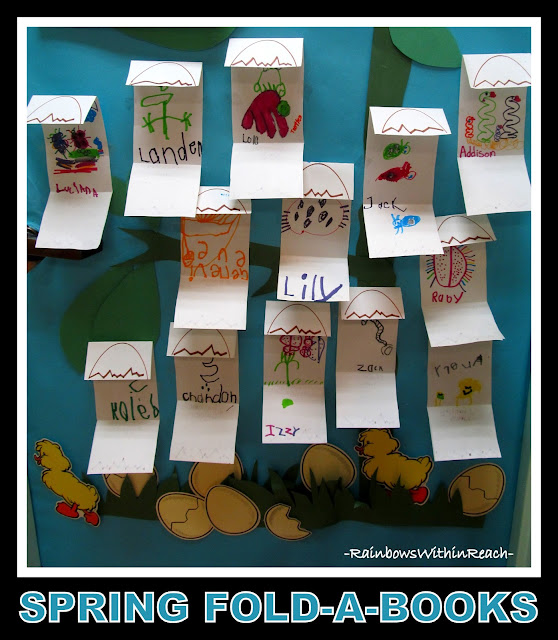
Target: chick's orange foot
pixel 65 509
pixel 419 495
pixel 91 517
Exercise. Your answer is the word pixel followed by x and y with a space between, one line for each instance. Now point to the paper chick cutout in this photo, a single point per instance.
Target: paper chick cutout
pixel 78 498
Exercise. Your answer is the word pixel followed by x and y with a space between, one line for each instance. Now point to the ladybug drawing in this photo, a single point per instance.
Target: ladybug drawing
pixel 79 138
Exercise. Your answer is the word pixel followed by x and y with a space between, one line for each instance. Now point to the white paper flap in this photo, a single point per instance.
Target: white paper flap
pixel 264 52
pixel 59 109
pixel 217 200
pixel 297 318
pixel 118 361
pixel 366 395
pixel 460 402
pixel 213 287
pixel 164 74
pixel 409 121
pixel 204 433
pixel 453 297
pixel 123 448
pixel 267 170
pixel 373 302
pixel 459 229
pixel 328 180
pixel 498 70
pixel 207 343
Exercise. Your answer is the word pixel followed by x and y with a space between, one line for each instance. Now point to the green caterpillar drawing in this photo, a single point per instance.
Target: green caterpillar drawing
pixel 486 119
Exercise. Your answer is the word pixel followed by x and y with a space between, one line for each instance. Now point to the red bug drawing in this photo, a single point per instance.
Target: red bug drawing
pixel 79 138
pixel 396 173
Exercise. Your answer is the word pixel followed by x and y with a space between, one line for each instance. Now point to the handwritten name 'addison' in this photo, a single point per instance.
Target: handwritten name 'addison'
pixel 475 153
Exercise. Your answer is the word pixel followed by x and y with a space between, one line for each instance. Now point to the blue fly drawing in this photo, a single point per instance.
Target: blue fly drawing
pixel 399 223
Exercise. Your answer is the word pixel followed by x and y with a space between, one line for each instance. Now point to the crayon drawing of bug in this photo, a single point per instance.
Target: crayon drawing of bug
pixel 396 149
pixel 397 173
pixel 79 159
pixel 400 223
pixel 59 142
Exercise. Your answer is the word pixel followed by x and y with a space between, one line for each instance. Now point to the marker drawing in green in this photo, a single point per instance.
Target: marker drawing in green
pixel 487 120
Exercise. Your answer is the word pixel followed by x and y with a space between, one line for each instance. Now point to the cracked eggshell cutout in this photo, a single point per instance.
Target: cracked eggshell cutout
pixel 481 488
pixel 279 523
pixel 206 475
pixel 184 515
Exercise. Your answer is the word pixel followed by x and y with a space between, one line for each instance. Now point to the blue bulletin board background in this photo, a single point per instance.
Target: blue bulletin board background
pixel 60 406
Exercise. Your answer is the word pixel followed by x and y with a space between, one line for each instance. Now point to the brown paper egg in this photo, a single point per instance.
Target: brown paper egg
pixel 327 463
pixel 205 475
pixel 230 511
pixel 184 515
pixel 481 488
pixel 279 523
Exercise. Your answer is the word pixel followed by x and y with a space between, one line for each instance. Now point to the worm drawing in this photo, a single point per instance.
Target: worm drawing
pixel 469 128
pixel 387 348
pixel 510 117
pixel 487 120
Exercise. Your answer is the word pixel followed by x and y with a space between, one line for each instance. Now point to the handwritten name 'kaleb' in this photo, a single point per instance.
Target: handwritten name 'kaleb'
pixel 77 188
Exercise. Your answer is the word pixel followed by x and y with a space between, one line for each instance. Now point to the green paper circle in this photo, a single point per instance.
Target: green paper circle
pixel 433 46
